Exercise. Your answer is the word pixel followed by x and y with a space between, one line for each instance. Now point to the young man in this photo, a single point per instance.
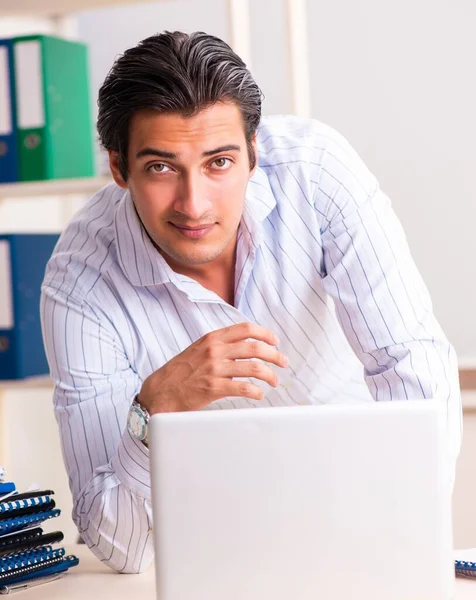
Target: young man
pixel 224 237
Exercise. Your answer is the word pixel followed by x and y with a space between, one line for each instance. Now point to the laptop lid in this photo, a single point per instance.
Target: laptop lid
pixel 300 503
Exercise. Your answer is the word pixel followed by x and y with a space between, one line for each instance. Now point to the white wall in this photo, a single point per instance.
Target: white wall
pixel 270 56
pixel 396 79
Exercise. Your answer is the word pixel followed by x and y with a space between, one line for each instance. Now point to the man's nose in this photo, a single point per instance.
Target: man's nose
pixel 192 198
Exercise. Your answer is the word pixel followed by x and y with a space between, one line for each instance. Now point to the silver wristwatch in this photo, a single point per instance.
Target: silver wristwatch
pixel 138 421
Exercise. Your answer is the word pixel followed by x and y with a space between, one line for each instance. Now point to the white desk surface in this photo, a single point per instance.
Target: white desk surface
pixel 91 579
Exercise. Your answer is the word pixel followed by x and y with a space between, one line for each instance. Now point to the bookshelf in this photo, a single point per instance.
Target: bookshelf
pixel 54 187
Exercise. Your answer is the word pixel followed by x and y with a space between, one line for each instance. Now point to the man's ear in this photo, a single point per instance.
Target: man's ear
pixel 254 147
pixel 115 171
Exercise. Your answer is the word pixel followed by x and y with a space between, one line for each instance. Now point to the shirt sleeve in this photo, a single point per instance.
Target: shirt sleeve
pixel 108 470
pixel 381 300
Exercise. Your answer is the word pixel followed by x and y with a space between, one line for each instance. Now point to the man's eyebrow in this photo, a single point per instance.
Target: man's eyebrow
pixel 156 152
pixel 173 156
pixel 227 148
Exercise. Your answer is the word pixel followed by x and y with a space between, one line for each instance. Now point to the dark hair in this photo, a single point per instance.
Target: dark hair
pixel 174 72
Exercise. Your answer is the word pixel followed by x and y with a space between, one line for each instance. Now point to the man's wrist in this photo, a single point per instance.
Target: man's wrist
pixel 157 402
pixel 138 421
pixel 137 399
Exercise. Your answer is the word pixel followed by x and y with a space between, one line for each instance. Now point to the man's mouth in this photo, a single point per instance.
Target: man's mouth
pixel 195 232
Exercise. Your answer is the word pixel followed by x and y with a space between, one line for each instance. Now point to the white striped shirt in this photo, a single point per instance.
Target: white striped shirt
pixel 321 260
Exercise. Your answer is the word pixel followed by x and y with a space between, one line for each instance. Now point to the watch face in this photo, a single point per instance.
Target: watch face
pixel 136 423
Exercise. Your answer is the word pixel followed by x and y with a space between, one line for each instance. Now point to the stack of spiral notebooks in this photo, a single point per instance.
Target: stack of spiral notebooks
pixel 27 554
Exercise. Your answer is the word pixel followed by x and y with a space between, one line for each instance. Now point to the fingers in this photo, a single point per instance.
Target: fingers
pixel 222 356
pixel 250 368
pixel 255 349
pixel 241 389
pixel 242 331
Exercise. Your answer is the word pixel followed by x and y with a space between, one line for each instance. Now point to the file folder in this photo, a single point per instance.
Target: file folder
pixel 55 131
pixel 8 125
pixel 23 259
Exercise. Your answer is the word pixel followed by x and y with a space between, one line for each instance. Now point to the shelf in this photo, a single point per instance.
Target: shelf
pixel 31 382
pixel 53 8
pixel 54 187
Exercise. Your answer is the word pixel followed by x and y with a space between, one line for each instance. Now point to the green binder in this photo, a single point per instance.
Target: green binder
pixel 55 132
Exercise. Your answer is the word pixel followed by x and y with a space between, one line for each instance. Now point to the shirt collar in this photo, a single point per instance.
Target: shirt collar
pixel 140 261
pixel 260 199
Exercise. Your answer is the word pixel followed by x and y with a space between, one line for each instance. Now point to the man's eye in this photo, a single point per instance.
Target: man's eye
pixel 222 163
pixel 158 168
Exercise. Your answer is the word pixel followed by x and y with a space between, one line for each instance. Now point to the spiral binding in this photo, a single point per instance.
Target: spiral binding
pixel 25 521
pixel 14 565
pixel 16 537
pixel 12 561
pixel 27 570
pixel 466 566
pixel 26 503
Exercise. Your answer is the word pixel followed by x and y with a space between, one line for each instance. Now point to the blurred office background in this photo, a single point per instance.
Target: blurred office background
pixel 395 78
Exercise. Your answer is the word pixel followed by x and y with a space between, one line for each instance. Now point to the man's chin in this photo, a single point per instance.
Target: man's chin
pixel 187 261
pixel 193 258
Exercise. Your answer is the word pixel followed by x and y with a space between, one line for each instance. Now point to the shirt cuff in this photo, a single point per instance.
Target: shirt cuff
pixel 132 465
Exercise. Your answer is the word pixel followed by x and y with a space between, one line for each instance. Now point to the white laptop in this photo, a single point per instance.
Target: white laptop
pixel 303 503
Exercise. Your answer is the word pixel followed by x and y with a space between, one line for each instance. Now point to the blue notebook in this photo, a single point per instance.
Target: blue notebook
pixel 9 563
pixel 50 567
pixel 12 505
pixel 15 524
pixel 34 563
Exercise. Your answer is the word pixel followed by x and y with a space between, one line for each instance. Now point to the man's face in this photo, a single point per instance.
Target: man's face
pixel 188 179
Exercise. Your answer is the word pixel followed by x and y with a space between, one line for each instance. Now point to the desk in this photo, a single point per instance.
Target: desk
pixel 91 579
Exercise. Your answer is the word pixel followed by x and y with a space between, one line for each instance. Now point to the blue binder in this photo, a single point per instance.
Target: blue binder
pixel 23 259
pixel 9 156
